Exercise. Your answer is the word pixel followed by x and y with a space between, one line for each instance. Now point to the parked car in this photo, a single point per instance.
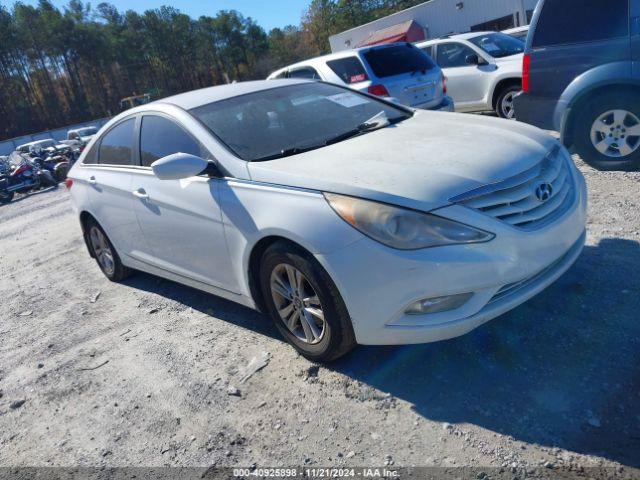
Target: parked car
pixel 347 218
pixel 48 143
pixel 83 135
pixel 398 72
pixel 519 33
pixel 483 70
pixel 581 78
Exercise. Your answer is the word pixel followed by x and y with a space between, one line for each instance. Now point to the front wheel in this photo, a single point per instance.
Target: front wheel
pixel 504 103
pixel 305 304
pixel 607 132
pixel 6 197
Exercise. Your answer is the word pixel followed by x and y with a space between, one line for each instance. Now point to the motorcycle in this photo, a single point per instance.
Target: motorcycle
pixel 24 175
pixel 55 161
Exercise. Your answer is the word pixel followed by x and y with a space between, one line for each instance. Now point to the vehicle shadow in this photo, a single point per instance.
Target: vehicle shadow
pixel 33 193
pixel 562 370
pixel 205 303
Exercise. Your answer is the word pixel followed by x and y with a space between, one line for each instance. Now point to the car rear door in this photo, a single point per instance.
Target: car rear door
pixel 570 37
pixel 408 74
pixel 180 219
pixel 106 173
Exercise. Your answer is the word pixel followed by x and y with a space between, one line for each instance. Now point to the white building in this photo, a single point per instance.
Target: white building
pixel 437 18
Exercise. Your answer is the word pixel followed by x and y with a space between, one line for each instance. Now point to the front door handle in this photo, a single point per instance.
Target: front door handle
pixel 141 194
pixel 92 180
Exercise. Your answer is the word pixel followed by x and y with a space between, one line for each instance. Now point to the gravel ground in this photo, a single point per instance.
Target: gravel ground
pixel 149 373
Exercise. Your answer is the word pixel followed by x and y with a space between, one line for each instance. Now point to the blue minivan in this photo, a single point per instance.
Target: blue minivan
pixel 581 77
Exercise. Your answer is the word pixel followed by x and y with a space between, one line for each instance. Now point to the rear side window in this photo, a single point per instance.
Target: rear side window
pixel 576 21
pixel 397 59
pixel 305 72
pixel 91 156
pixel 428 50
pixel 350 70
pixel 160 137
pixel 452 55
pixel 116 147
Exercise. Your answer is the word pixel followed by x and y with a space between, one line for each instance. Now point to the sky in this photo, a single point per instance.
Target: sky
pixel 268 13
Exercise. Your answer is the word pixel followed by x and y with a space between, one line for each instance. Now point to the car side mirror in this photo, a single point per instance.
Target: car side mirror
pixel 178 166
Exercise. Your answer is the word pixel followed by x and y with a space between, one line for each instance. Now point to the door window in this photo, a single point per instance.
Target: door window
pixel 160 137
pixel 116 147
pixel 306 72
pixel 453 55
pixel 350 70
pixel 576 21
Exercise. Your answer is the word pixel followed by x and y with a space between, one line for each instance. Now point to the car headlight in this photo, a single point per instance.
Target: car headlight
pixel 402 228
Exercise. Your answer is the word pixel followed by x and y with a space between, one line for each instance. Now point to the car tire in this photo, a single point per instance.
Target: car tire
pixel 7 198
pixel 504 102
pixel 600 124
pixel 104 252
pixel 314 318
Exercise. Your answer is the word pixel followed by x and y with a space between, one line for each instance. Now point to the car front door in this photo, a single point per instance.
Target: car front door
pixel 106 170
pixel 466 83
pixel 180 219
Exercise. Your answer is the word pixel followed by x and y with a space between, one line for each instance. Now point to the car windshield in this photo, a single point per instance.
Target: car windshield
pixel 498 45
pixel 288 120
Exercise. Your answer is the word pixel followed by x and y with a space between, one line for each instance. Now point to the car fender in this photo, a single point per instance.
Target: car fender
pixel 253 211
pixel 619 73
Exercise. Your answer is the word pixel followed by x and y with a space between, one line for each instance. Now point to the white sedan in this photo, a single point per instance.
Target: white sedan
pixel 346 218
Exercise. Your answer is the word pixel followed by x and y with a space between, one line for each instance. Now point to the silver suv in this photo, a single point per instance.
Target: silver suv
pixel 398 71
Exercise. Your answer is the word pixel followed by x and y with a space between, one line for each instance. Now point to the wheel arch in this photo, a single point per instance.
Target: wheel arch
pixel 580 100
pixel 253 267
pixel 501 85
pixel 85 217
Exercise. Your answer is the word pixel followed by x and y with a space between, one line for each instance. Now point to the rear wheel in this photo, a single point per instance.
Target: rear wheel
pixel 305 304
pixel 504 102
pixel 607 132
pixel 105 254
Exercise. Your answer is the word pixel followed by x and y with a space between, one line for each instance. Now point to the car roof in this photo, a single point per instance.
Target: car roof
pixel 335 56
pixel 457 36
pixel 204 96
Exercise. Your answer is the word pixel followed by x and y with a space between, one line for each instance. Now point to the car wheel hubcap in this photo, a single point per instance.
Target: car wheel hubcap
pixel 297 303
pixel 616 133
pixel 507 105
pixel 102 250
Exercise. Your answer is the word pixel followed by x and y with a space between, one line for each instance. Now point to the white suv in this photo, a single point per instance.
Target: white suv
pixel 483 69
pixel 398 71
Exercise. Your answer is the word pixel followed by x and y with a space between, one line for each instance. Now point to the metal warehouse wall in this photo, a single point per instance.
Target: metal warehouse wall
pixel 438 17
pixel 8 146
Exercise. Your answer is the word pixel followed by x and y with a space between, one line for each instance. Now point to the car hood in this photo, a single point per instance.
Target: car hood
pixel 511 60
pixel 420 163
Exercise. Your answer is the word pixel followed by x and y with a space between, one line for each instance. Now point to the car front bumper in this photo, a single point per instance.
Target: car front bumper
pixel 378 283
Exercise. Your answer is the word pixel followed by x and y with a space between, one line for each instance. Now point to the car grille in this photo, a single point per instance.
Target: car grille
pixel 518 200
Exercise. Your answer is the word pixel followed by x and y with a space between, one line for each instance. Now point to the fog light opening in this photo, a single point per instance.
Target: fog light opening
pixel 438 304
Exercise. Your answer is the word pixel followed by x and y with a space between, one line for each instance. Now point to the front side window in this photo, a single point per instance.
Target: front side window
pixel 498 45
pixel 160 137
pixel 397 60
pixel 453 55
pixel 116 147
pixel 306 72
pixel 349 69
pixel 577 21
pixel 287 120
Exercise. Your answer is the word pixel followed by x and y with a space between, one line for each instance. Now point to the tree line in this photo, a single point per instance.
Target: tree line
pixel 62 66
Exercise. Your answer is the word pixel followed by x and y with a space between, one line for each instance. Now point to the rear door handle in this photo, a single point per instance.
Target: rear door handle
pixel 141 194
pixel 92 180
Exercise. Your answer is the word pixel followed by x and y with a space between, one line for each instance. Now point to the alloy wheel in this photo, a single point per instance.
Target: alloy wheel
pixel 102 250
pixel 297 303
pixel 506 105
pixel 616 133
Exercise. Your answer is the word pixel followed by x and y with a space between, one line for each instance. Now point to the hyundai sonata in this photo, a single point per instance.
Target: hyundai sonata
pixel 347 219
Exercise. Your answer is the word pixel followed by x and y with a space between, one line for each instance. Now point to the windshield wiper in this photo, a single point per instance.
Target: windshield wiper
pixel 287 152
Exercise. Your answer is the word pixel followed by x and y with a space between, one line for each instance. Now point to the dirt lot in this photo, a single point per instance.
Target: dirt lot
pixel 94 373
